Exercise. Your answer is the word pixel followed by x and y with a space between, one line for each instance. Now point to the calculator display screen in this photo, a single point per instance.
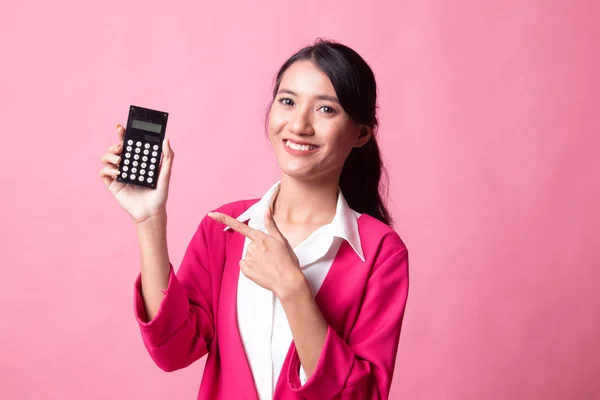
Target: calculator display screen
pixel 147 126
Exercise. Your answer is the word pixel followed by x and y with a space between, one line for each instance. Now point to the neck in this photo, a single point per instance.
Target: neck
pixel 306 202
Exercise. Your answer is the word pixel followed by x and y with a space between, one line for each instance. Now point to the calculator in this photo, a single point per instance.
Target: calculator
pixel 142 147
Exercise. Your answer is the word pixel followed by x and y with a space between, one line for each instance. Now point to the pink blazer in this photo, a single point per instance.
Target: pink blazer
pixel 363 303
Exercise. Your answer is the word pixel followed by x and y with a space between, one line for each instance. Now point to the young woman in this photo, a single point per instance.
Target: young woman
pixel 299 294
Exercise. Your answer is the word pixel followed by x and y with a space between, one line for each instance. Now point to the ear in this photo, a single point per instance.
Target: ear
pixel 364 134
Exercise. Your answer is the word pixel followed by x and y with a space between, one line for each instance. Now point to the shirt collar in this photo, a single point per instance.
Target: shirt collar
pixel 344 224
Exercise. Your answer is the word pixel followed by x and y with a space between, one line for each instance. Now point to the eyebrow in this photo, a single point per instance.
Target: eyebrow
pixel 320 96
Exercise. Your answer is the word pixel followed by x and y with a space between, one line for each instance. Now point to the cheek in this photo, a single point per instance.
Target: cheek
pixel 340 138
pixel 276 123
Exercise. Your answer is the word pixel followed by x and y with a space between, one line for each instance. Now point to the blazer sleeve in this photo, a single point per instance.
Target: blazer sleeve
pixel 183 328
pixel 362 366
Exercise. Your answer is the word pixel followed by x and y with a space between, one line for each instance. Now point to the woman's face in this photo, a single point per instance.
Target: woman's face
pixel 310 132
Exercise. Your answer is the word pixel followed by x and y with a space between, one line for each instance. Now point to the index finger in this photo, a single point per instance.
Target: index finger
pixel 236 225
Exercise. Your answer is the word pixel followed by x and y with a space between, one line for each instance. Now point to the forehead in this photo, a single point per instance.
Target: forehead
pixel 304 77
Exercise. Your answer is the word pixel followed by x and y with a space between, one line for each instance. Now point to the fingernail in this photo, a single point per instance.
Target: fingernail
pixel 118 125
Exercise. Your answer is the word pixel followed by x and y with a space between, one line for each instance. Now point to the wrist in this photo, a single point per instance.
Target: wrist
pixel 152 222
pixel 294 287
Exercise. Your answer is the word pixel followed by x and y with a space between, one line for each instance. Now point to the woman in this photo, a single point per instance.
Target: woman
pixel 317 309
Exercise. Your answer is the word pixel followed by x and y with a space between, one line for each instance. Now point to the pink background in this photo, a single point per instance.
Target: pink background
pixel 489 125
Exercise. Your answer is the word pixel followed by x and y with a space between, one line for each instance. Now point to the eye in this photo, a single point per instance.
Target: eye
pixel 327 110
pixel 286 101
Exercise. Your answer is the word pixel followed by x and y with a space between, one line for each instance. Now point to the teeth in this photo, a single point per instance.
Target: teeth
pixel 302 147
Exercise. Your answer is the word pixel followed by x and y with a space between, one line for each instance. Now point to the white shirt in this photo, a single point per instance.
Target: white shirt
pixel 264 329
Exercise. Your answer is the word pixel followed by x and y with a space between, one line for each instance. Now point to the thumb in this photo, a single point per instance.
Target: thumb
pixel 272 227
pixel 167 161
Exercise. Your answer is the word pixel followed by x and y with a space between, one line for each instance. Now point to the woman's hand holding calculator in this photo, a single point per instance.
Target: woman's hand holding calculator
pixel 139 202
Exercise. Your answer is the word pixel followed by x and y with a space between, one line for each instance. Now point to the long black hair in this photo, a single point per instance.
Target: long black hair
pixel 363 178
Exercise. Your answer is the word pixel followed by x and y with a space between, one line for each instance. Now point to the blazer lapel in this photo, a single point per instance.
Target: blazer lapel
pixel 231 349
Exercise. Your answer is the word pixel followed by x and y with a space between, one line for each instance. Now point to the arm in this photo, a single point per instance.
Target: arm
pixel 309 328
pixel 361 366
pixel 155 265
pixel 174 312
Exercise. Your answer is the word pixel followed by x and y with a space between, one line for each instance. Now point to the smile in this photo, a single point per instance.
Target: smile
pixel 299 147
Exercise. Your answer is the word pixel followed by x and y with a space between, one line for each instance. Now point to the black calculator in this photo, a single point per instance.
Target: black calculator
pixel 142 147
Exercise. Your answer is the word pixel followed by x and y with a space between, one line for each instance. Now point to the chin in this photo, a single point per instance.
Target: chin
pixel 305 173
pixel 303 169
pixel 301 174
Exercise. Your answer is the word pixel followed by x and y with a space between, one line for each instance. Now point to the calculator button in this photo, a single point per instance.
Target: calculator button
pixel 130 142
pixel 155 147
pixel 135 163
pixel 134 169
pixel 150 173
pixel 138 144
pixel 142 171
pixel 149 180
pixel 144 158
pixel 143 165
pixel 136 157
pixel 127 155
pixel 141 178
pixel 132 176
pixel 146 152
pixel 128 148
pixel 124 175
pixel 126 162
pixel 137 150
pixel 151 166
pixel 125 168
pixel 153 160
pixel 147 145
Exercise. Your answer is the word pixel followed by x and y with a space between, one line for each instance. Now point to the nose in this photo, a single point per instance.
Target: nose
pixel 301 122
